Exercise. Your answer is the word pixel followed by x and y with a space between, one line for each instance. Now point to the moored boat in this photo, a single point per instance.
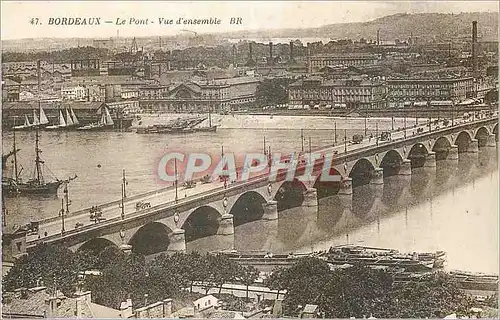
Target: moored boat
pixel 37 184
pixel 105 123
pixel 359 255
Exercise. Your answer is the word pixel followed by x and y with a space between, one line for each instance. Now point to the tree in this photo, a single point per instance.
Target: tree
pixel 54 265
pixel 434 295
pixel 272 91
pixel 122 278
pixel 248 275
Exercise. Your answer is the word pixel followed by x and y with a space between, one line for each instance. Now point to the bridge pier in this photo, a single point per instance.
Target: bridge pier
pixel 405 169
pixel 310 198
pixel 430 162
pixel 473 146
pixel 345 186
pixel 226 226
pixel 177 241
pixel 453 153
pixel 377 177
pixel 491 141
pixel 270 210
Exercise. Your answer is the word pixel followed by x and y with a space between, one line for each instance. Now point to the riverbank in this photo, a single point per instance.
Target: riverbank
pixel 282 122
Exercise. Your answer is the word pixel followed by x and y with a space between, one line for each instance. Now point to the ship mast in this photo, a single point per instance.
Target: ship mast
pixel 38 161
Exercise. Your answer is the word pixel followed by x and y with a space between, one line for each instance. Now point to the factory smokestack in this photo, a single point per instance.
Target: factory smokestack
pixel 270 53
pixel 234 55
pixel 250 51
pixel 309 66
pixel 474 47
pixel 291 51
pixel 378 37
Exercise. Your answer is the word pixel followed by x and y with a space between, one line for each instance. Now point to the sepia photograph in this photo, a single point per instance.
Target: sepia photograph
pixel 234 160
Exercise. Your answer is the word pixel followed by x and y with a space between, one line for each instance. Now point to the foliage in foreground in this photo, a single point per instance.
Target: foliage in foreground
pixel 364 292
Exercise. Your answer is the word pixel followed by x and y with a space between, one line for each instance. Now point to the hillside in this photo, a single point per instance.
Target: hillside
pixel 399 26
pixel 430 26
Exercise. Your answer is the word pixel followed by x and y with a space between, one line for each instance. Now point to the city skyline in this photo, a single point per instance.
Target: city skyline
pixel 255 16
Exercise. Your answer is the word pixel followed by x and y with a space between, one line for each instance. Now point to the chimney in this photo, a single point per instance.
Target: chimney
pixel 474 47
pixel 309 66
pixel 234 55
pixel 51 307
pixel 270 52
pixel 291 51
pixel 126 309
pixel 79 305
pixel 167 308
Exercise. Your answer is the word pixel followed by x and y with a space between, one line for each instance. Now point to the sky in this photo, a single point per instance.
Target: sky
pixel 256 15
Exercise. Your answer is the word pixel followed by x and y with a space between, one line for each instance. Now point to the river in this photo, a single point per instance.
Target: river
pixel 455 210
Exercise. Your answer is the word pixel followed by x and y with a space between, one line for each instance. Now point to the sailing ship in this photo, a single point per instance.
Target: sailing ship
pixel 210 127
pixel 70 123
pixel 37 122
pixel 106 122
pixel 37 184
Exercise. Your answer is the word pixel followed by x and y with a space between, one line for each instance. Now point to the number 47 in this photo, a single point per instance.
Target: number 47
pixel 34 20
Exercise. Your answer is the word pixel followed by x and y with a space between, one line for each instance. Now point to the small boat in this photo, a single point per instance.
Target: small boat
pixel 37 184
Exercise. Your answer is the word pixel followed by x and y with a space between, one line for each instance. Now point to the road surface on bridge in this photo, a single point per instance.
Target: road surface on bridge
pixel 53 225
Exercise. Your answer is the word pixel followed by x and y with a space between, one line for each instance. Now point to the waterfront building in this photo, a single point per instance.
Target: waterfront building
pixel 13 247
pixel 77 93
pixel 355 92
pixel 200 96
pixel 420 91
pixel 317 62
pixel 10 90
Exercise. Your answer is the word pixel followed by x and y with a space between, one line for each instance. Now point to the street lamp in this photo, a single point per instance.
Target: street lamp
pixel 62 215
pixel 302 138
pixel 335 130
pixel 345 140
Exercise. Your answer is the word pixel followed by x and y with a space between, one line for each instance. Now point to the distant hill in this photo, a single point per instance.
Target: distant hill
pixel 398 26
pixel 430 26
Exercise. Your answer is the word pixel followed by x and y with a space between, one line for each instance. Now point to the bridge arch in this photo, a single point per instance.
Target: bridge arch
pixel 290 194
pixel 151 238
pixel 391 163
pixel 327 188
pixel 442 147
pixel 418 155
pixel 361 173
pixel 495 131
pixel 202 222
pixel 247 208
pixel 462 141
pixel 482 135
pixel 97 245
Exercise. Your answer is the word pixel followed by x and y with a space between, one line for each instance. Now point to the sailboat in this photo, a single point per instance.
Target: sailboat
pixel 37 184
pixel 74 118
pixel 61 125
pixel 210 127
pixel 106 122
pixel 37 122
pixel 26 126
pixel 69 121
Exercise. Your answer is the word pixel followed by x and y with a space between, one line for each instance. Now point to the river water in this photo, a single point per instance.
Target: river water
pixel 454 209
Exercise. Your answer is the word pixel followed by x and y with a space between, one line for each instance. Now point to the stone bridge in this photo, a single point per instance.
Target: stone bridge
pixel 167 227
